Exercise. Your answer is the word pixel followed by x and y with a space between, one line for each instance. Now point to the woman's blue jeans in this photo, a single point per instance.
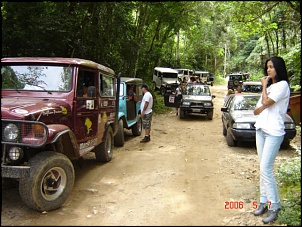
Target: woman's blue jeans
pixel 267 148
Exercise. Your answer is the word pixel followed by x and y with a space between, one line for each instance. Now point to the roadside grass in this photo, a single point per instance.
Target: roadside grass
pixel 219 80
pixel 288 176
pixel 159 104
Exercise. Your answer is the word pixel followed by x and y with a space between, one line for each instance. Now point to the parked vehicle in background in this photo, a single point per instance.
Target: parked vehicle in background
pixel 205 77
pixel 165 79
pixel 129 116
pixel 196 98
pixel 252 87
pixel 238 120
pixel 236 79
pixel 48 121
pixel 295 106
pixel 184 73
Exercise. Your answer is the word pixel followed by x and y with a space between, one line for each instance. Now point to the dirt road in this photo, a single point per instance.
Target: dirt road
pixel 186 175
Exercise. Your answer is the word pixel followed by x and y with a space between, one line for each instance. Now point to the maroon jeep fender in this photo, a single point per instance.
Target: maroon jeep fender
pixel 63 140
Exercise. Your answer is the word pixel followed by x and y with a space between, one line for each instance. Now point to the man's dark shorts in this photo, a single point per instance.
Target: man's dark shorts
pixel 147 121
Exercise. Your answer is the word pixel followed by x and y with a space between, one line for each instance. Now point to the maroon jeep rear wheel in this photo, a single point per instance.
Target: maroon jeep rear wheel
pixel 119 139
pixel 104 151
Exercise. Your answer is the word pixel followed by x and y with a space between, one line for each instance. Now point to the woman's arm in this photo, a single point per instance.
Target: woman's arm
pixel 266 101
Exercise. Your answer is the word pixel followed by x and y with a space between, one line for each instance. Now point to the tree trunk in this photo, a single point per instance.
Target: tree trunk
pixel 267 45
pixel 277 42
pixel 177 50
pixel 272 42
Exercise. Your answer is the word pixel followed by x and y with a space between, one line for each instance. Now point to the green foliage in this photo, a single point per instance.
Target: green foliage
pixel 219 80
pixel 289 172
pixel 158 100
pixel 134 37
pixel 293 64
pixel 159 104
pixel 288 175
pixel 296 87
pixel 290 213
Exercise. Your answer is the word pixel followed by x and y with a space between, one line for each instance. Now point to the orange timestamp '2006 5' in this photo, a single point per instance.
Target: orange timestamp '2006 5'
pixel 240 205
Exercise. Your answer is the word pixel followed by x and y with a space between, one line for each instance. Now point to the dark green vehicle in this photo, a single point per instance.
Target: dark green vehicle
pixel 236 79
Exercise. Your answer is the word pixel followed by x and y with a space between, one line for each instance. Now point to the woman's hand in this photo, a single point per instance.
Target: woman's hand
pixel 264 80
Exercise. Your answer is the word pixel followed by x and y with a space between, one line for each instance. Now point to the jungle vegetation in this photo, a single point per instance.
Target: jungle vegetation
pixel 133 37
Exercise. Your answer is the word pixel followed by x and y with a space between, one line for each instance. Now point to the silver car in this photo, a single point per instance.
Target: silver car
pixel 238 120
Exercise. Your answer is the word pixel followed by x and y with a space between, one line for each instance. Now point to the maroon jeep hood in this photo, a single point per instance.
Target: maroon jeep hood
pixel 24 108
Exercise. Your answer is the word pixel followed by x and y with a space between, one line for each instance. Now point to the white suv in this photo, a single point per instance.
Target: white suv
pixel 165 79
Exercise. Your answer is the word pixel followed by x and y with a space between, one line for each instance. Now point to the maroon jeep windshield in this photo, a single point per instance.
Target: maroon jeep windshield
pixel 36 78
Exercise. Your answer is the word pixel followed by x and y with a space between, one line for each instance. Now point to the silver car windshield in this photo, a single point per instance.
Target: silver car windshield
pixel 36 78
pixel 245 102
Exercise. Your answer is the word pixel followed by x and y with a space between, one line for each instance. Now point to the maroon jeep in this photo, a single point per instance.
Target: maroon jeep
pixel 53 111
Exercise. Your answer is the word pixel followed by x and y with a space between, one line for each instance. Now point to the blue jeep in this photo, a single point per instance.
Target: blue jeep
pixel 129 108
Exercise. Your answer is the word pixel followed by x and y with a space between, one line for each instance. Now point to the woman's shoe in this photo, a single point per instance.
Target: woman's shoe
pixel 271 216
pixel 262 208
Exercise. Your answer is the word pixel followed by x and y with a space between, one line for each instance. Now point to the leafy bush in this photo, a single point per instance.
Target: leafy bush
pixel 290 213
pixel 289 172
pixel 289 176
pixel 293 63
pixel 219 80
pixel 159 104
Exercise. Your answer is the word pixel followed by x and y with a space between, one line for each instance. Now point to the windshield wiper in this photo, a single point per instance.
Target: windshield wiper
pixel 49 92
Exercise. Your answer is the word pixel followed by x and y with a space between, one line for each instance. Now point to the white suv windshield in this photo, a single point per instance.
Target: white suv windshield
pixel 170 75
pixel 36 77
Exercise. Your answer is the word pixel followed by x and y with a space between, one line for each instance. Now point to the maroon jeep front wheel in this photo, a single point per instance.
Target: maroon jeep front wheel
pixel 50 182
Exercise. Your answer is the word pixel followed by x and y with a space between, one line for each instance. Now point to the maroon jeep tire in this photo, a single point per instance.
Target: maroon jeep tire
pixel 50 182
pixel 104 152
pixel 119 139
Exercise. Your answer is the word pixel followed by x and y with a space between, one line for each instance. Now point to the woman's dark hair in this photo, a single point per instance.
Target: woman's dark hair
pixel 280 68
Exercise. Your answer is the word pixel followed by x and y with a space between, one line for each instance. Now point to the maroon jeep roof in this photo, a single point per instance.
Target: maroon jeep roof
pixel 57 60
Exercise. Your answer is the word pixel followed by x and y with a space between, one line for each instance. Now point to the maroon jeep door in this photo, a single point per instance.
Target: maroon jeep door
pixel 86 106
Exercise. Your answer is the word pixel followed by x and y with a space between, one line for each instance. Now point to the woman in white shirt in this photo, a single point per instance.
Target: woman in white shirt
pixel 271 108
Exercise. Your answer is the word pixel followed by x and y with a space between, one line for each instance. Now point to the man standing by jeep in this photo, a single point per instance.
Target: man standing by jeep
pixel 146 112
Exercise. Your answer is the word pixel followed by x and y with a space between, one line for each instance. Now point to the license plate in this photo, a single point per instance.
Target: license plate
pixel 171 99
pixel 195 110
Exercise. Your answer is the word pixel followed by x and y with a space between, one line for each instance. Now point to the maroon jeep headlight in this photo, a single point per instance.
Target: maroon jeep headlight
pixel 11 132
